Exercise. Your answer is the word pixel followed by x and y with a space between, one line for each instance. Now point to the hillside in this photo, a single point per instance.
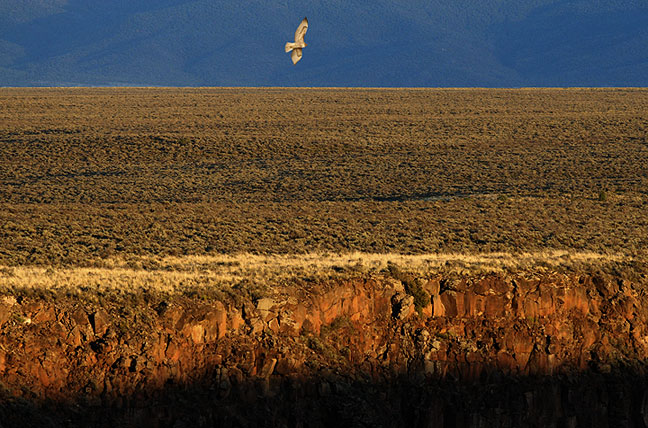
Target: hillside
pixel 388 43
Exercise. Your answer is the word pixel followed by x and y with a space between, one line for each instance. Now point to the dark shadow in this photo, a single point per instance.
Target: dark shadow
pixel 594 398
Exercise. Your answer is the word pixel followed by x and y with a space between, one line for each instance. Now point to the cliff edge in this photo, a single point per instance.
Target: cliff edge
pixel 502 350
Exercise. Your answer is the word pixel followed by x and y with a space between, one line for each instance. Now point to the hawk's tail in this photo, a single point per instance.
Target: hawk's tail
pixel 289 46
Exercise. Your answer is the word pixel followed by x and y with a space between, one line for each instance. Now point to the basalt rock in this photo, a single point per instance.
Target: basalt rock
pixel 507 351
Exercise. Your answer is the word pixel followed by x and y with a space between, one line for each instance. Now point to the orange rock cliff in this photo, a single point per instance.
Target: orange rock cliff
pixel 495 350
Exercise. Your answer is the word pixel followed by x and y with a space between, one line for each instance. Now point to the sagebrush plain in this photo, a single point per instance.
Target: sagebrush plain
pixel 142 177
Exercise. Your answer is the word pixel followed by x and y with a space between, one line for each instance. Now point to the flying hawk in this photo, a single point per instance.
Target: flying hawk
pixel 296 47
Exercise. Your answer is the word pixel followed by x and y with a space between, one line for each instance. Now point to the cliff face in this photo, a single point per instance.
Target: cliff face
pixel 549 350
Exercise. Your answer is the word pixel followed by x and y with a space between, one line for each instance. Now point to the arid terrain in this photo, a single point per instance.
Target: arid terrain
pixel 410 257
pixel 88 174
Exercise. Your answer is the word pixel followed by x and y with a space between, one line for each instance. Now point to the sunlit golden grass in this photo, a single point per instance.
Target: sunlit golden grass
pixel 265 272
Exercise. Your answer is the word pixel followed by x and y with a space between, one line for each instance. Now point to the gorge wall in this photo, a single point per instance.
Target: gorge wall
pixel 536 350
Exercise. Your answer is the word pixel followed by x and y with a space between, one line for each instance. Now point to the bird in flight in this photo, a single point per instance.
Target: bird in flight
pixel 299 44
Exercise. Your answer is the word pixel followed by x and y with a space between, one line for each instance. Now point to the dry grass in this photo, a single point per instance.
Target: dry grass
pixel 261 274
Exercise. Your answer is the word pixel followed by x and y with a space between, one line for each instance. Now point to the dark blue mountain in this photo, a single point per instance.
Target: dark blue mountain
pixel 351 43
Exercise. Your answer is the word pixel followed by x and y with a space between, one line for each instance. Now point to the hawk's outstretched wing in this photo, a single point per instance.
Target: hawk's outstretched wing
pixel 296 55
pixel 301 30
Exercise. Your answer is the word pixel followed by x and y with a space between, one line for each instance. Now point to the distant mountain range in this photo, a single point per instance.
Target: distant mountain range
pixel 437 43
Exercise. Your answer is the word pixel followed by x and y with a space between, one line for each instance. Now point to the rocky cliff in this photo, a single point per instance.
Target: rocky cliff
pixel 502 350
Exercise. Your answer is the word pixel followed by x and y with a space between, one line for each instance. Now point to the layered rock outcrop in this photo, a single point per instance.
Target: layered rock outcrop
pixel 515 350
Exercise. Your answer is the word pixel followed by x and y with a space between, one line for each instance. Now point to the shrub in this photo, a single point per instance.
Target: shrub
pixel 412 287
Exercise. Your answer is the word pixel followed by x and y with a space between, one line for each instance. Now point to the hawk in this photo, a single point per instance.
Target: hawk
pixel 299 44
